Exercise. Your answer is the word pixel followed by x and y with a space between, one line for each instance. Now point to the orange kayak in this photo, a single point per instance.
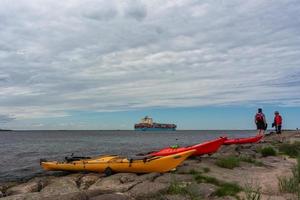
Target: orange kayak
pixel 244 140
pixel 208 147
pixel 111 163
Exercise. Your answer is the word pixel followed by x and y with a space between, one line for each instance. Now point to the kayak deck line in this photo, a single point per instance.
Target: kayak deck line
pixel 243 140
pixel 207 147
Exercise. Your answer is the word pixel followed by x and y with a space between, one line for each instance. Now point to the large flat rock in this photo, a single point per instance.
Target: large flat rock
pixel 224 198
pixel 68 196
pixel 175 197
pixel 169 177
pixel 148 177
pixel 32 186
pixel 188 166
pixel 111 197
pixel 265 177
pixel 148 189
pixel 41 196
pixel 203 190
pixel 121 182
pixel 89 179
pixel 62 185
pixel 28 196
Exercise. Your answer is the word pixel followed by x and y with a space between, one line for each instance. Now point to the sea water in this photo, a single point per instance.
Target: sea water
pixel 20 151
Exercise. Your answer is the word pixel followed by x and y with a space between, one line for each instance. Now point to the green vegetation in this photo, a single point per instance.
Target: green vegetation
pixel 268 151
pixel 206 179
pixel 296 170
pixel 193 172
pixel 206 169
pixel 181 189
pixel 176 188
pixel 224 189
pixel 291 184
pixel 287 184
pixel 292 150
pixel 252 193
pixel 228 189
pixel 229 162
pixel 250 160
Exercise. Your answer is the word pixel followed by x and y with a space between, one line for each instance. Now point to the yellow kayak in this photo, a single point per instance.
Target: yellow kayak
pixel 110 164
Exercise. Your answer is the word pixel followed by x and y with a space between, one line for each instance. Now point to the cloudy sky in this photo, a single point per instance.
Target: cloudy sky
pixel 100 64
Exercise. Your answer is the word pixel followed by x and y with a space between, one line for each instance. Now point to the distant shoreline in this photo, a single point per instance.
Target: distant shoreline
pixel 138 131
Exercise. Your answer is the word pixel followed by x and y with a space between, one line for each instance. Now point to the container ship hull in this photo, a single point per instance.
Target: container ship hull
pixel 154 129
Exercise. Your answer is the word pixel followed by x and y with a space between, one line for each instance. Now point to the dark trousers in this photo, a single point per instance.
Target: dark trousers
pixel 278 129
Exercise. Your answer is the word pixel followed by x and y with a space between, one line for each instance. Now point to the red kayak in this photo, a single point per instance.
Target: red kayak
pixel 244 140
pixel 201 149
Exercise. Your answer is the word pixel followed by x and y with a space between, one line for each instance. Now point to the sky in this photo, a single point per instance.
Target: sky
pixel 100 64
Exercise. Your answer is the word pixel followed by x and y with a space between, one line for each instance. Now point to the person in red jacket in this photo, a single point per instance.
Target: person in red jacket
pixel 277 122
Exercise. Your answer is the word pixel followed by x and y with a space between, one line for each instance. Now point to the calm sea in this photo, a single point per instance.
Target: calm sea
pixel 21 150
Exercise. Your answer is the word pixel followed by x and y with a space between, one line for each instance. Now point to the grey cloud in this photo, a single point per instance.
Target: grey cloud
pixel 136 10
pixel 101 15
pixel 5 118
pixel 4 77
pixel 57 58
pixel 99 10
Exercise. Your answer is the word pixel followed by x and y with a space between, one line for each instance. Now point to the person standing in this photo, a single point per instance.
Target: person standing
pixel 260 121
pixel 277 122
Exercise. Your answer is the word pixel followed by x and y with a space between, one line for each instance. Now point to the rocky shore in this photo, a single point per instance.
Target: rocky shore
pixel 250 171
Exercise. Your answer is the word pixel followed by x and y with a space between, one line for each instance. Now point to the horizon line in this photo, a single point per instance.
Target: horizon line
pixel 134 130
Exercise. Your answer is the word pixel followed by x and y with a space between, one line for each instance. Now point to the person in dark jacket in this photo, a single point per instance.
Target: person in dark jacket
pixel 260 121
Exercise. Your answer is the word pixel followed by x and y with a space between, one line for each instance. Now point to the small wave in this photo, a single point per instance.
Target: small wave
pixel 26 154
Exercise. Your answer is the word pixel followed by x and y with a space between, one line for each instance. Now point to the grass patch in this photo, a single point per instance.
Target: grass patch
pixel 296 170
pixel 206 179
pixel 291 184
pixel 193 172
pixel 229 162
pixel 292 150
pixel 252 192
pixel 268 151
pixel 287 184
pixel 224 189
pixel 177 188
pixel 228 189
pixel 250 160
pixel 206 169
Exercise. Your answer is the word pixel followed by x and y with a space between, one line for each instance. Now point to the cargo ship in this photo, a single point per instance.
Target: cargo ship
pixel 147 124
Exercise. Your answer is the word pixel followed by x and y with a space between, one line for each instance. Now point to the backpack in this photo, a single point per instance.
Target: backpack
pixel 259 117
